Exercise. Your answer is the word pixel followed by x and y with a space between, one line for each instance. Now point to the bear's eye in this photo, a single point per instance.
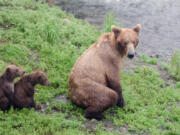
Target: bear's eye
pixel 134 42
pixel 119 43
pixel 39 78
pixel 125 43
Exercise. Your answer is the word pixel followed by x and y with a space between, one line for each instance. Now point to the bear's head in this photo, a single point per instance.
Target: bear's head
pixel 38 77
pixel 126 40
pixel 12 71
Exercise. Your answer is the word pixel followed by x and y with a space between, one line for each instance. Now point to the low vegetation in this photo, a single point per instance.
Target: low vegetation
pixel 174 67
pixel 34 35
pixel 149 60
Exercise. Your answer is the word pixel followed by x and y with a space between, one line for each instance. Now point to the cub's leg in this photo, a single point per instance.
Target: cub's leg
pixel 4 104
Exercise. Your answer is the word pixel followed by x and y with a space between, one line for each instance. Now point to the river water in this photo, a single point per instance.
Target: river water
pixel 160 20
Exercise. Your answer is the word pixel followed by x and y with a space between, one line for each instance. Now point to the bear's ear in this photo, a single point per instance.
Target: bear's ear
pixel 115 30
pixel 137 28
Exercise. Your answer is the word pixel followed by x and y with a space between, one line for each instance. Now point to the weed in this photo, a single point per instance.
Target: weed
pixel 109 21
pixel 149 60
pixel 174 67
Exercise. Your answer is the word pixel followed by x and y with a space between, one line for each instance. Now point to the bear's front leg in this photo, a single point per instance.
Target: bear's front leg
pixel 117 87
pixel 120 102
pixel 114 84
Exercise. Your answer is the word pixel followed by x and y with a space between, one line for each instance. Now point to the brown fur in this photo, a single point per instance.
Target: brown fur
pixel 24 90
pixel 94 81
pixel 7 85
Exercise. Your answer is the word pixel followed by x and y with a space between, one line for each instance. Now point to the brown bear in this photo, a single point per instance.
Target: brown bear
pixel 94 82
pixel 7 85
pixel 24 89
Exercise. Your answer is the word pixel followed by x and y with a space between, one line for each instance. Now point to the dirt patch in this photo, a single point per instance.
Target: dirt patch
pixel 44 107
pixel 61 98
pixel 5 5
pixel 6 26
pixel 58 98
pixel 178 104
pixel 66 20
pixel 50 2
pixel 91 125
pixel 110 127
pixel 34 56
pixel 107 125
pixel 4 42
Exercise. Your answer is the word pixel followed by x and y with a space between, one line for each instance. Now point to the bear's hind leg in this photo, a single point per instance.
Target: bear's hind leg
pixel 101 99
pixel 92 112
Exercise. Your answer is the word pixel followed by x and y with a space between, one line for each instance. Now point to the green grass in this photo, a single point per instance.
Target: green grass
pixel 174 67
pixel 35 35
pixel 149 60
pixel 109 21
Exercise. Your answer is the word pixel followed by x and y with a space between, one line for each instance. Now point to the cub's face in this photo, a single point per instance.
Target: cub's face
pixel 41 78
pixel 13 71
pixel 126 40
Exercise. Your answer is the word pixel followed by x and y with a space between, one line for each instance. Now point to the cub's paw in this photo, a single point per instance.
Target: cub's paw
pixel 38 107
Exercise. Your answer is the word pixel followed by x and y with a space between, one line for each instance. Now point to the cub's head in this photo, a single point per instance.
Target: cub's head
pixel 39 78
pixel 12 71
pixel 126 40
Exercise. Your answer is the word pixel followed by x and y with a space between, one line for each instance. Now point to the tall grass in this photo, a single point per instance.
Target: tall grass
pixel 109 21
pixel 175 65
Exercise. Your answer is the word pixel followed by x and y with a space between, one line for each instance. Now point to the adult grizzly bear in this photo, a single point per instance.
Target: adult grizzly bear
pixel 94 81
pixel 7 85
pixel 24 89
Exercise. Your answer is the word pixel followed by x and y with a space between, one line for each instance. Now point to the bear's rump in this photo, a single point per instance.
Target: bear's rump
pixel 90 93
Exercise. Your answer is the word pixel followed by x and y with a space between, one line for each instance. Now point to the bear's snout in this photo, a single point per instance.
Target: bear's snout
pixel 21 73
pixel 131 51
pixel 47 83
pixel 130 55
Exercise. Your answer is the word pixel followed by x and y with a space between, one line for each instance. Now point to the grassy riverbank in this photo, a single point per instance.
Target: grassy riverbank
pixel 35 35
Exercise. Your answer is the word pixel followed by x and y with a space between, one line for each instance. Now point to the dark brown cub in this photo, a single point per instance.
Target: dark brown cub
pixel 24 89
pixel 7 85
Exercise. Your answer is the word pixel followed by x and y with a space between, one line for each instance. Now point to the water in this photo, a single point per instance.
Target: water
pixel 160 20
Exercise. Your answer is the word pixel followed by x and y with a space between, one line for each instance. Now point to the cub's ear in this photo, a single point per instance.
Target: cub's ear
pixel 115 30
pixel 12 63
pixel 8 73
pixel 40 69
pixel 137 28
pixel 8 70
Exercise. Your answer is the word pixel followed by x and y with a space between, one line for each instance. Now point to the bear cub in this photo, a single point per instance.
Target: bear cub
pixel 24 89
pixel 7 85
